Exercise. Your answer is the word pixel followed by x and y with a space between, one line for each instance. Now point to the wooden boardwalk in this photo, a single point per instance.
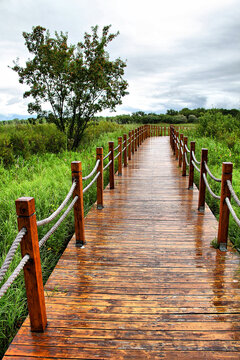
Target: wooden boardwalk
pixel 148 285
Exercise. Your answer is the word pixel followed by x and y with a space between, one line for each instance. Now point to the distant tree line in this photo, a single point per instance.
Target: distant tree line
pixel 171 117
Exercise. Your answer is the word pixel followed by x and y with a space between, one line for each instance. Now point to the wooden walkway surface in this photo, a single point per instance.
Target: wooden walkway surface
pixel 148 285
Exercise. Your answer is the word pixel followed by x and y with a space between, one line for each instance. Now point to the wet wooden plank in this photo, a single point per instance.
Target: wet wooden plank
pixel 147 285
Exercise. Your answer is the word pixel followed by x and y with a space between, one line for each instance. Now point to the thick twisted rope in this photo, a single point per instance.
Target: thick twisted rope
pixel 11 253
pixel 14 275
pixel 59 209
pixel 234 195
pixel 194 158
pixel 124 148
pixel 187 149
pixel 181 150
pixel 210 174
pixel 107 155
pixel 234 215
pixel 178 146
pixel 93 171
pixel 116 156
pixel 195 166
pixel 186 160
pixel 105 167
pixel 116 147
pixel 90 184
pixel 209 189
pixel 55 226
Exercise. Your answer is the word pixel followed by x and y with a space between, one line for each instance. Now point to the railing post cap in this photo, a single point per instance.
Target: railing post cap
pixel 111 142
pixel 76 166
pixel 227 167
pixel 25 206
pixel 99 150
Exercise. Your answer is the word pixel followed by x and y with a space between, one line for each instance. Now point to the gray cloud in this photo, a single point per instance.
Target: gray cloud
pixel 176 56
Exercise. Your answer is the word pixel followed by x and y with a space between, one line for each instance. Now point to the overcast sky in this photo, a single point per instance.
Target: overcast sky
pixel 179 53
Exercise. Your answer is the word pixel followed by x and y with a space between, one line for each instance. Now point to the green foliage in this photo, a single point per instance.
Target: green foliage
pixel 23 140
pixel 219 126
pixel 76 81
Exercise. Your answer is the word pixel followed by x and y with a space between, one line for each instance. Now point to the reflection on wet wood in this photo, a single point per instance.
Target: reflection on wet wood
pixel 147 285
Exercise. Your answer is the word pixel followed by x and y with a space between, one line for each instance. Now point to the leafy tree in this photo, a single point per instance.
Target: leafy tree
pixel 75 81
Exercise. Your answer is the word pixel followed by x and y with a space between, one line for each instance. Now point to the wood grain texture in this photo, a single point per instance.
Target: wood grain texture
pixel 147 285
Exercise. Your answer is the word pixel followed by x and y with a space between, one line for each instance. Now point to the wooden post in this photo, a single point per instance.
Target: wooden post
pixel 138 136
pixel 125 151
pixel 120 156
pixel 111 166
pixel 129 146
pixel 174 144
pixel 177 135
pixel 180 152
pixel 223 224
pixel 133 141
pixel 25 208
pixel 100 179
pixel 191 167
pixel 136 139
pixel 202 185
pixel 76 167
pixel 184 168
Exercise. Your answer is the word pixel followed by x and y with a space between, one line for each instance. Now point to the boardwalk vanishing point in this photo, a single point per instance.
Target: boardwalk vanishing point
pixel 147 284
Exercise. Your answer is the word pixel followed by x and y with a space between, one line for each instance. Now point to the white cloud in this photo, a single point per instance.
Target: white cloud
pixel 180 53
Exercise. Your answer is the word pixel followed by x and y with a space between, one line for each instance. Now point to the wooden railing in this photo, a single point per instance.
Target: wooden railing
pixel 28 224
pixel 179 144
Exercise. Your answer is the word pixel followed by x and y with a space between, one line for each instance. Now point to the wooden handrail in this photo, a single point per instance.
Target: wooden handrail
pixel 25 208
pixel 120 156
pixel 202 185
pixel 191 167
pixel 76 167
pixel 223 223
pixel 111 167
pixel 99 157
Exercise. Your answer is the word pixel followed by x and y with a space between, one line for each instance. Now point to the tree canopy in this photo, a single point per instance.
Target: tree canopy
pixel 76 81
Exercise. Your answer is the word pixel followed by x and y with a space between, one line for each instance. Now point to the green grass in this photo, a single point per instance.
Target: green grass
pixel 47 178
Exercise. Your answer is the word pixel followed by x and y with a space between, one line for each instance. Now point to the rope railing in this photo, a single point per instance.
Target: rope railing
pixel 60 208
pixel 93 171
pixel 105 157
pixel 28 230
pixel 234 195
pixel 115 157
pixel 194 158
pixel 14 275
pixel 234 215
pixel 209 188
pixel 108 164
pixel 92 182
pixel 11 253
pixel 186 159
pixel 193 162
pixel 227 191
pixel 187 149
pixel 60 220
pixel 210 174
